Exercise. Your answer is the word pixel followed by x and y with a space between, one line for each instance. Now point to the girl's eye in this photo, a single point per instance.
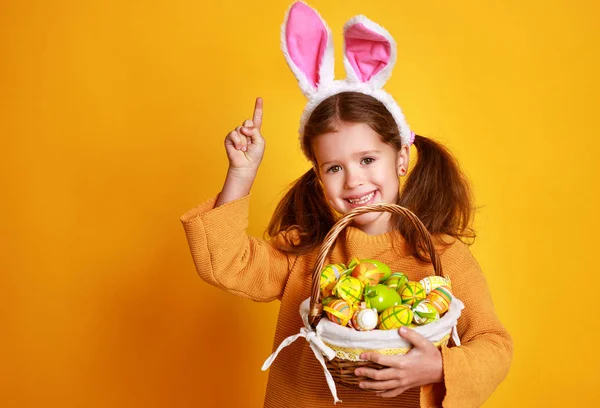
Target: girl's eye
pixel 367 160
pixel 334 169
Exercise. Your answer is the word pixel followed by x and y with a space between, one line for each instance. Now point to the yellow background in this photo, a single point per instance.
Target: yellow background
pixel 113 115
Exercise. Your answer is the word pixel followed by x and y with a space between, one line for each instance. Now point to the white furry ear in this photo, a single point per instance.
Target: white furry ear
pixel 369 52
pixel 308 48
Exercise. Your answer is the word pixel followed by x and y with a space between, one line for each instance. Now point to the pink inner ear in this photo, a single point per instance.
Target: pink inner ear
pixel 367 51
pixel 306 38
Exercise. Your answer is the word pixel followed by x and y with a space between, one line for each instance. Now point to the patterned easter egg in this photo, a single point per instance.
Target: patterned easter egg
pixel 425 313
pixel 329 276
pixel 440 298
pixel 383 268
pixel 365 319
pixel 432 282
pixel 394 317
pixel 367 273
pixel 411 292
pixel 350 289
pixel 338 312
pixel 396 281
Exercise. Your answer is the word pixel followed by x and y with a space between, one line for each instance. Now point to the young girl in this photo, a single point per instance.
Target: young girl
pixel 358 142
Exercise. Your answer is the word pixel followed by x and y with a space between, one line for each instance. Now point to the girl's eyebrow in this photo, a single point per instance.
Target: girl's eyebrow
pixel 366 152
pixel 357 154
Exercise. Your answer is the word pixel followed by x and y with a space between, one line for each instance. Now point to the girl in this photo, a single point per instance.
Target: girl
pixel 358 142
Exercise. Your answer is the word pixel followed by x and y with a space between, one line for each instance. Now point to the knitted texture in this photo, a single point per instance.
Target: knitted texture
pixel 226 257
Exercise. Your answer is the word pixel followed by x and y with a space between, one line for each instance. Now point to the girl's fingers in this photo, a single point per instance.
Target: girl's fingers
pixel 258 113
pixel 250 131
pixel 381 359
pixel 236 139
pixel 233 137
pixel 381 374
pixel 379 385
pixel 247 131
pixel 243 144
pixel 391 393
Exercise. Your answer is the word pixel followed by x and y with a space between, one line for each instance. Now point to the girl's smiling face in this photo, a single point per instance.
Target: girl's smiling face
pixel 356 168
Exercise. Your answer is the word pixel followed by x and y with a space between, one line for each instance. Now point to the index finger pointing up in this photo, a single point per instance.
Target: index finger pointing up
pixel 258 112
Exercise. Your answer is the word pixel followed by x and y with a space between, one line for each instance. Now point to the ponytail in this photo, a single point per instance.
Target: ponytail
pixel 439 193
pixel 304 209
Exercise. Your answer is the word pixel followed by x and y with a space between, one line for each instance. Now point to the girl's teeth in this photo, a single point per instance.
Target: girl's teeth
pixel 363 200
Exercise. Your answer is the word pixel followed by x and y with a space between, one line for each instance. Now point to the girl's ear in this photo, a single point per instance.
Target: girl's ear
pixel 369 52
pixel 403 160
pixel 308 48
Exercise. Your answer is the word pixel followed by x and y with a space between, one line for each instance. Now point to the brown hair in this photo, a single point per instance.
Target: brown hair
pixel 435 190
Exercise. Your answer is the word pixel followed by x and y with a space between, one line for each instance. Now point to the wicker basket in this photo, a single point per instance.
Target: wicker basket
pixel 342 370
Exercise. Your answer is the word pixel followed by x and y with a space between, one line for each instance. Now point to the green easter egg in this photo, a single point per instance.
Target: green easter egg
pixel 381 297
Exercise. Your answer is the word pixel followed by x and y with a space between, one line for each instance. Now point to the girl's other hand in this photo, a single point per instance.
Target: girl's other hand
pixel 245 145
pixel 421 365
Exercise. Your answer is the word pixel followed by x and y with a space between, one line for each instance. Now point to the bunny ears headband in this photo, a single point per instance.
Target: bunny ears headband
pixel 369 57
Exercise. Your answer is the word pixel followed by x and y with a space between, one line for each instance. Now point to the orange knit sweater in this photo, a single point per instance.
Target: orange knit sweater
pixel 226 257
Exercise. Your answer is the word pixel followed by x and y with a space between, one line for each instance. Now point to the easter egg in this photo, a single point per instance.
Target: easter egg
pixel 440 298
pixel 367 273
pixel 349 288
pixel 396 316
pixel 338 312
pixel 383 268
pixel 432 282
pixel 365 319
pixel 381 297
pixel 396 281
pixel 425 313
pixel 329 276
pixel 412 292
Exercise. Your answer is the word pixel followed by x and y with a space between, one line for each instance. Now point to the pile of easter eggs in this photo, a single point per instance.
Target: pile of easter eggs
pixel 367 295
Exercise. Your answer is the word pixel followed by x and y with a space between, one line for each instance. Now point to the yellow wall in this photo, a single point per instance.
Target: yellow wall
pixel 112 120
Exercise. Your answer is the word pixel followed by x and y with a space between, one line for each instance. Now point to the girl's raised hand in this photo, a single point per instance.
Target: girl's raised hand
pixel 421 365
pixel 245 145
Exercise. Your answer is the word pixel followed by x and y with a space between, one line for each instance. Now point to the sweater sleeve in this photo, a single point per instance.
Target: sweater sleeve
pixel 473 370
pixel 227 257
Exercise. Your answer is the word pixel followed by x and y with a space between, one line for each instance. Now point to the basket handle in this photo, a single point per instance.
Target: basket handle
pixel 316 308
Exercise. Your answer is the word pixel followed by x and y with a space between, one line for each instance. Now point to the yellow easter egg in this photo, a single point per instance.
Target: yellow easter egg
pixel 432 282
pixel 412 292
pixel 329 276
pixel 350 289
pixel 395 316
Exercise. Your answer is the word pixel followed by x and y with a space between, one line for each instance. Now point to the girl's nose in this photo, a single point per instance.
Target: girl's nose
pixel 353 179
